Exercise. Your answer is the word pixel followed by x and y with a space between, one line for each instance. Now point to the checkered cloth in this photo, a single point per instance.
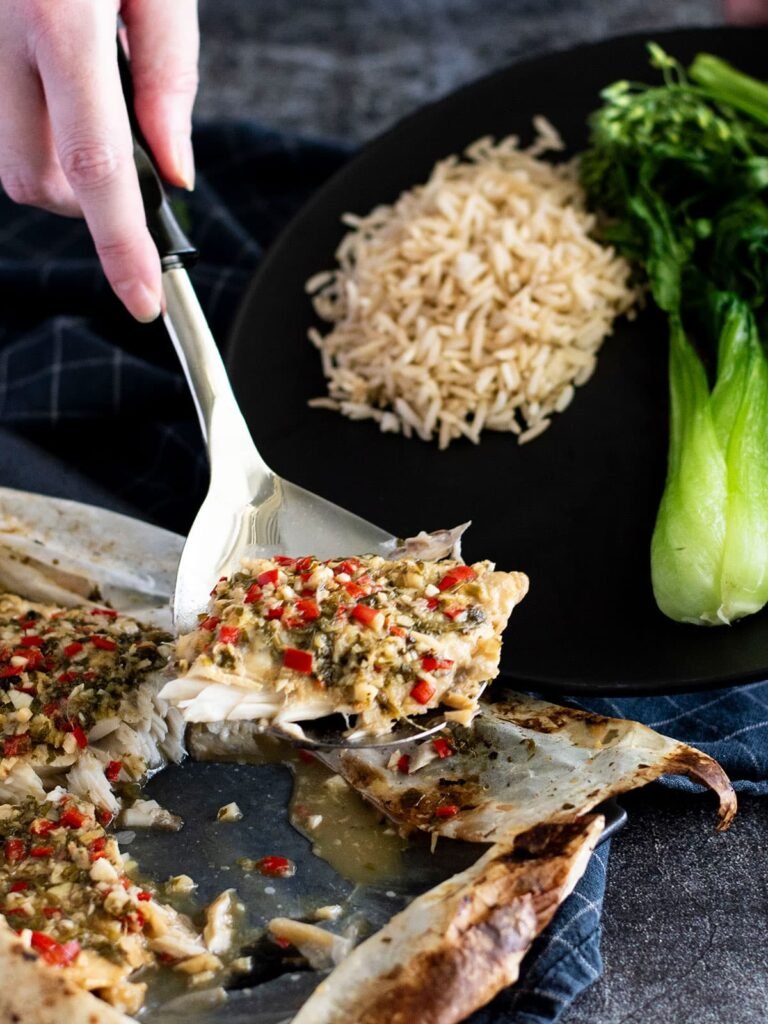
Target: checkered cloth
pixel 78 377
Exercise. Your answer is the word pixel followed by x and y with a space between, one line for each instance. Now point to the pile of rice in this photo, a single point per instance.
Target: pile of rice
pixel 477 301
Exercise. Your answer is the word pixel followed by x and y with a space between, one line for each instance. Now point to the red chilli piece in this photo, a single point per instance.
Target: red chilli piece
pixel 58 954
pixel 275 612
pixel 210 623
pixel 40 851
pixel 431 664
pixel 299 661
pixel 144 896
pixel 34 658
pixel 284 560
pixel 306 756
pixel 349 566
pixel 112 771
pixel 103 643
pixel 442 748
pixel 51 912
pixel 267 577
pixel 42 826
pixel 404 764
pixel 397 631
pixel 79 733
pixel 229 634
pixel 276 867
pixel 308 609
pixel 103 816
pixel 31 641
pixel 423 692
pixel 18 886
pixel 72 649
pixel 108 613
pixel 253 593
pixel 96 848
pixel 72 818
pixel 459 574
pixel 17 746
pixel 14 850
pixel 453 611
pixel 365 614
pixel 10 671
pixel 447 811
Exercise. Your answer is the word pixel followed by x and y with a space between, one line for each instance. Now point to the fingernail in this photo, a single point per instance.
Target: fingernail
pixel 185 161
pixel 140 301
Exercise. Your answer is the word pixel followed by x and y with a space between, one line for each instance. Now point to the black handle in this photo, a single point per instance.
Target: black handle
pixel 174 247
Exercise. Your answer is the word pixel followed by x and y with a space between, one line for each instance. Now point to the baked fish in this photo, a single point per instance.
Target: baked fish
pixel 290 639
pixel 65 892
pixel 79 701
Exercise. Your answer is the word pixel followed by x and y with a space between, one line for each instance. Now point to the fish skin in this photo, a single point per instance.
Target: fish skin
pixel 457 945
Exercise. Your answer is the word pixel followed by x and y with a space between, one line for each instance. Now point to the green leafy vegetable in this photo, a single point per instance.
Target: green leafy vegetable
pixel 680 169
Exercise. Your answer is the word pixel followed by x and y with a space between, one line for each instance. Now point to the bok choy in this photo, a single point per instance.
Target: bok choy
pixel 681 170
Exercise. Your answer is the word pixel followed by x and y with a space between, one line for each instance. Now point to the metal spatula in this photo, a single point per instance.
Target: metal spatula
pixel 249 510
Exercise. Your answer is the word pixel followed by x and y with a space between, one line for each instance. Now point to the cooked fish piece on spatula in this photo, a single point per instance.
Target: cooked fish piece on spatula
pixel 289 639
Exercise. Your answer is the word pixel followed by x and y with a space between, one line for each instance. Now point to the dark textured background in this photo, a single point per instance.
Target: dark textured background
pixel 686 913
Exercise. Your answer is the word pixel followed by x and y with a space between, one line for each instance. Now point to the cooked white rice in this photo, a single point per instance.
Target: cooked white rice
pixel 476 301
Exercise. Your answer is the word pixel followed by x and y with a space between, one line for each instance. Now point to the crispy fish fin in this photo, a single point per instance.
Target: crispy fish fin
pixel 453 948
pixel 524 762
pixel 431 546
pixel 701 768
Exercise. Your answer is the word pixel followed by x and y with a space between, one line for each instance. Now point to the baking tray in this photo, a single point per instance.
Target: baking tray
pixel 133 564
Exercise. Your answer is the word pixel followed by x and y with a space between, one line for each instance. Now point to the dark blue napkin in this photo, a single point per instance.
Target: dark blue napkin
pixel 94 407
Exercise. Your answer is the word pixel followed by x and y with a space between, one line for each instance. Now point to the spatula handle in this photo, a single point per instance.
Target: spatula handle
pixel 174 247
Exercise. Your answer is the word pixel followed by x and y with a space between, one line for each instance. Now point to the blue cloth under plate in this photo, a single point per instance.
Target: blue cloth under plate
pixel 94 407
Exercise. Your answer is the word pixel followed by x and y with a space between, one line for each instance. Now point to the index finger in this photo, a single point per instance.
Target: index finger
pixel 77 63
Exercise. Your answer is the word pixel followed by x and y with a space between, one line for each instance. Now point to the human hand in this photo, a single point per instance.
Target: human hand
pixel 65 142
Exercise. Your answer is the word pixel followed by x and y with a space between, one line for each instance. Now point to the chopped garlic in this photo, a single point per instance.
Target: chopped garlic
pixel 229 812
pixel 218 933
pixel 201 962
pixel 329 913
pixel 103 870
pixel 242 965
pixel 181 884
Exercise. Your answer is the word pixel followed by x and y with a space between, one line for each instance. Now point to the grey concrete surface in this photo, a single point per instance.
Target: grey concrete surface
pixel 685 917
pixel 686 914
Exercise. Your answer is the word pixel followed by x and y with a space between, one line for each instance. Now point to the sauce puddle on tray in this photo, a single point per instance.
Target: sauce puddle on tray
pixel 346 832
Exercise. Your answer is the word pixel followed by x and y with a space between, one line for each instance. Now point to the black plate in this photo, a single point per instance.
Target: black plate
pixel 575 508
